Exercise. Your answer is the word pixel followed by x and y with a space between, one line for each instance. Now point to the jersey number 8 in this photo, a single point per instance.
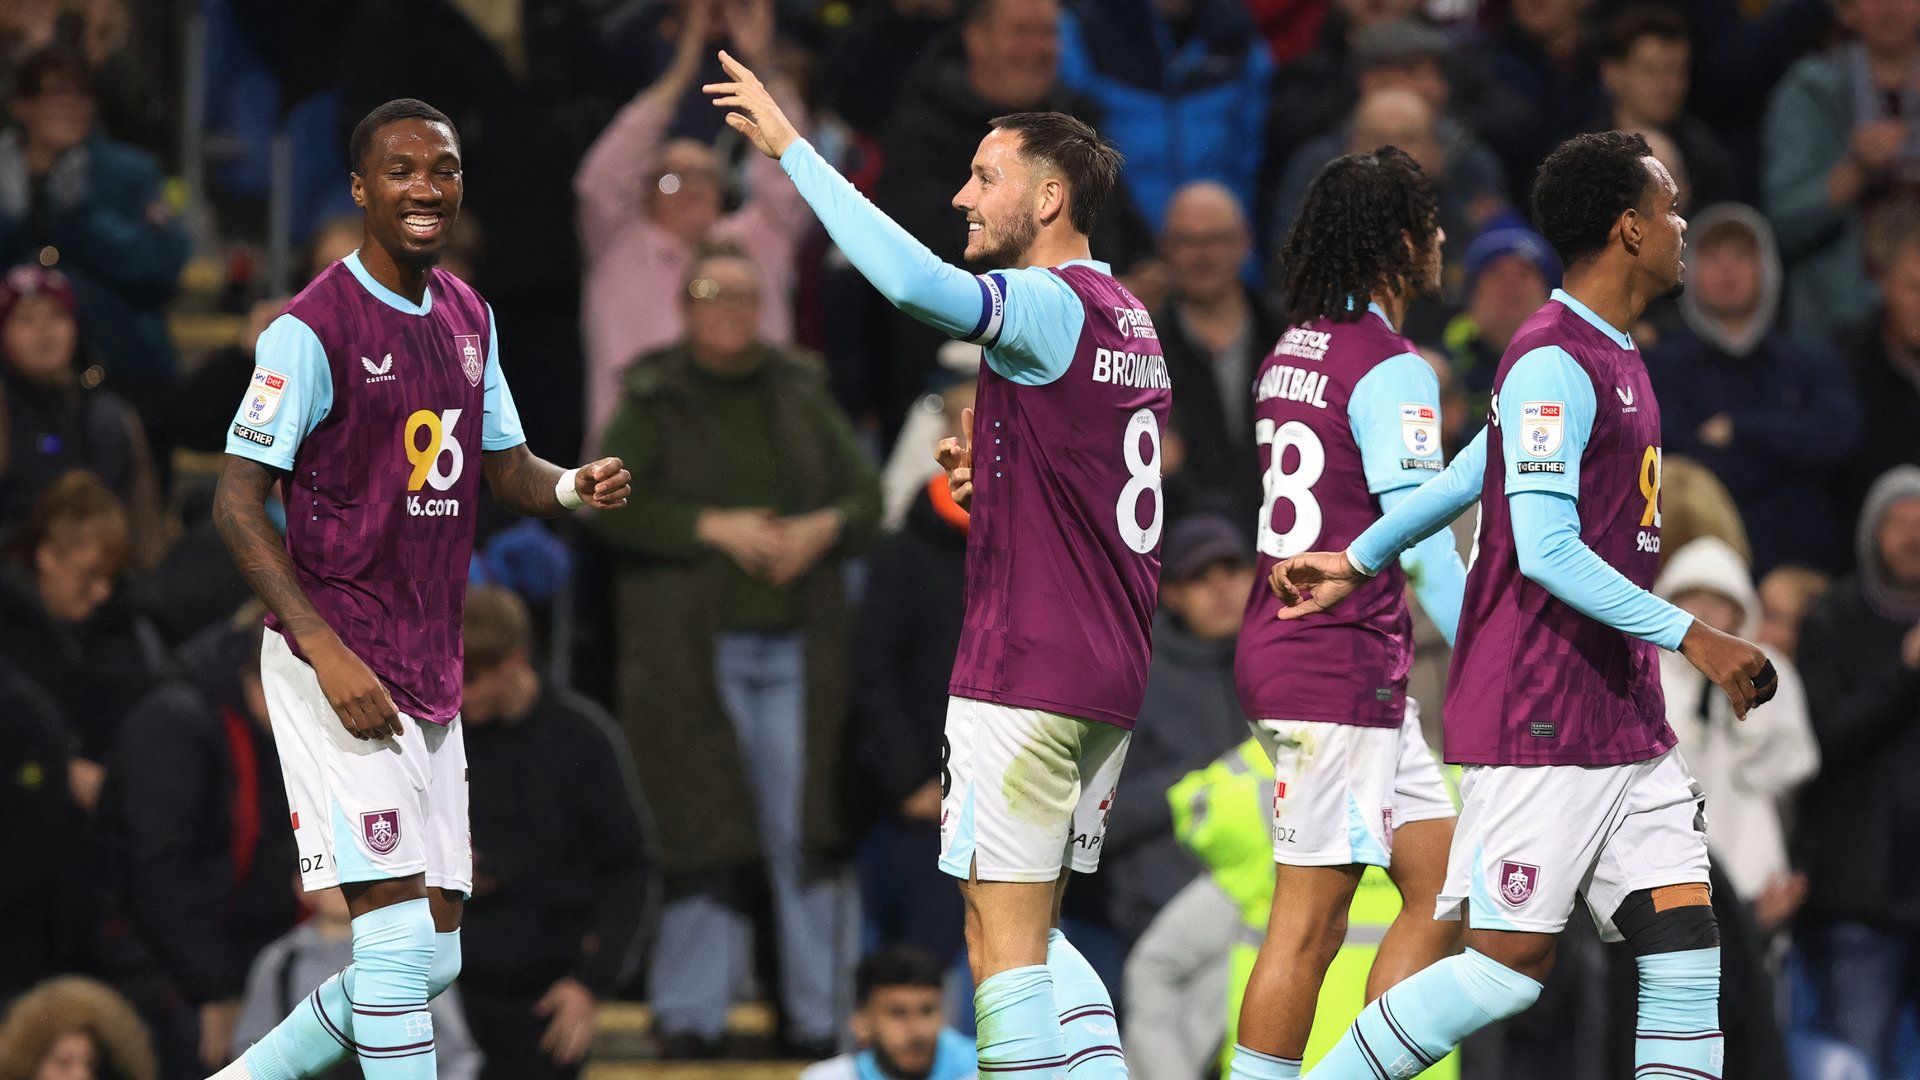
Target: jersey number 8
pixel 1295 487
pixel 1143 477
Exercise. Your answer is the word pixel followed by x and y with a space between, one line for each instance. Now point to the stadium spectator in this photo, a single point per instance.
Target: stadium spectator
pixel 897 1024
pixel 1190 716
pixel 864 67
pixel 559 887
pixel 1542 57
pixel 1182 85
pixel 1787 593
pixel 749 492
pixel 1003 59
pixel 647 202
pixel 1751 769
pixel 1316 44
pixel 189 822
pixel 38 823
pixel 1884 354
pixel 73 1028
pixel 57 417
pixel 1509 270
pixel 1214 332
pixel 72 196
pixel 1694 503
pixel 1466 177
pixel 1860 658
pixel 1773 419
pixel 934 417
pixel 1840 145
pixel 62 622
pixel 903 649
pixel 1646 67
pixel 307 955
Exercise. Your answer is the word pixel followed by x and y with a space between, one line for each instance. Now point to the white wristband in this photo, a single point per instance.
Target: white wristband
pixel 565 491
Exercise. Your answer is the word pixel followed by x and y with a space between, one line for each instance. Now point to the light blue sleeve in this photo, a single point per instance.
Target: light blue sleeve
pixel 1546 536
pixel 1434 569
pixel 1545 413
pixel 288 394
pixel 500 427
pixel 1423 512
pixel 1394 413
pixel 973 308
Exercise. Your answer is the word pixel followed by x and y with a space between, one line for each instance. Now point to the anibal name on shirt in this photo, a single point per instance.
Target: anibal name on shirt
pixel 1292 384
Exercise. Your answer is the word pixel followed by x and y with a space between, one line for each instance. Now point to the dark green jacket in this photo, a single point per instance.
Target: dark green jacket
pixel 666 591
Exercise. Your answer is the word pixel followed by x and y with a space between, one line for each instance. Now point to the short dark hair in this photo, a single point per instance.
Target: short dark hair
pixel 1090 164
pixel 393 111
pixel 496 626
pixel 1584 186
pixel 1636 21
pixel 1349 239
pixel 42 66
pixel 75 498
pixel 897 966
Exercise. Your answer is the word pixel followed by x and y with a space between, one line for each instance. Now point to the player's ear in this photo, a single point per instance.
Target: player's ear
pixel 359 189
pixel 1631 229
pixel 1053 199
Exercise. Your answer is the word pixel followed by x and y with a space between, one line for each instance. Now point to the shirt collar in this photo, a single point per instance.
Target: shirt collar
pixel 385 295
pixel 1598 323
pixel 1375 307
pixel 1104 268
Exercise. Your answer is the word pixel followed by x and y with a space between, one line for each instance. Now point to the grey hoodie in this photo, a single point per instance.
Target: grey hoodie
pixel 1731 215
pixel 1888 598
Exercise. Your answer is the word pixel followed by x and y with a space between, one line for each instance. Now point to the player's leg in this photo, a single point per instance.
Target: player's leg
pixel 1423 818
pixel 1008 792
pixel 1087 1019
pixel 1333 794
pixel 449 848
pixel 1650 888
pixel 1526 840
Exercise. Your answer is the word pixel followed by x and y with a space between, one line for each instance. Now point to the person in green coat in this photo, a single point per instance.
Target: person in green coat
pixel 750 491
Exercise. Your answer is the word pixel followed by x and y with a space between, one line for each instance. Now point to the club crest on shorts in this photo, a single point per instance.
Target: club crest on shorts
pixel 381 829
pixel 1517 882
pixel 471 362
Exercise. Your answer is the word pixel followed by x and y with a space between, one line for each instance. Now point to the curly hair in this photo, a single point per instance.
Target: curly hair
pixel 71 1003
pixel 1349 240
pixel 1584 186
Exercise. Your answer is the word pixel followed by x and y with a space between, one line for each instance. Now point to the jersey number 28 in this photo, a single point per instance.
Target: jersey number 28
pixel 1296 487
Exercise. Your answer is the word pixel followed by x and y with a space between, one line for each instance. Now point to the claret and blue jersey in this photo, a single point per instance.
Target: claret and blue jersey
pixel 377 410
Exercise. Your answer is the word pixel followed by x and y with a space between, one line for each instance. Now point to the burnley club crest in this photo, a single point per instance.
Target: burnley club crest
pixel 1517 882
pixel 381 829
pixel 471 362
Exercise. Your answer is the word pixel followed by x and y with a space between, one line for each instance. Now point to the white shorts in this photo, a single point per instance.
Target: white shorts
pixel 1531 838
pixel 366 810
pixel 1340 791
pixel 1024 793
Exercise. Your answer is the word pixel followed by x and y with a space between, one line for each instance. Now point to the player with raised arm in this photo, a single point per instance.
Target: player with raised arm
pixel 1572 786
pixel 372 392
pixel 1062 557
pixel 1347 419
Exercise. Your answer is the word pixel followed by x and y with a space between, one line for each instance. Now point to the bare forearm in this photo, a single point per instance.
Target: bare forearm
pixel 240 513
pixel 524 483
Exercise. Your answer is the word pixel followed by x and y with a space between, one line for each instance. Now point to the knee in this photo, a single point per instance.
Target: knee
pixel 1668 919
pixel 395 941
pixel 446 963
pixel 1308 937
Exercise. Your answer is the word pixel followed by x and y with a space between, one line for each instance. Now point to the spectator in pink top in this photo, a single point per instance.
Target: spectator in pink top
pixel 646 202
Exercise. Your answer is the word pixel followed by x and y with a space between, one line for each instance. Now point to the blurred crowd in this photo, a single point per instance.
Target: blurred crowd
pixel 705 732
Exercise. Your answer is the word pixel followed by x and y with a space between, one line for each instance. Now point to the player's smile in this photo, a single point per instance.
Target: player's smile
pixel 423 225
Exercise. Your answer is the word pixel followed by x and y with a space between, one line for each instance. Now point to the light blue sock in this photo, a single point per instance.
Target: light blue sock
pixel 392 957
pixel 1087 1022
pixel 1419 1021
pixel 1679 1030
pixel 1019 1026
pixel 317 1035
pixel 1250 1064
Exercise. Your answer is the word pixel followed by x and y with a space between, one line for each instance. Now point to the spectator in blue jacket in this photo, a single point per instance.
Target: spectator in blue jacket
pixel 1182 86
pixel 1774 420
pixel 71 195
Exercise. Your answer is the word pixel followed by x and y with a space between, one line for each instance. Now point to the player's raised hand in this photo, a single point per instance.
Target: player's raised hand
pixel 604 485
pixel 365 708
pixel 1312 582
pixel 956 457
pixel 754 113
pixel 1737 666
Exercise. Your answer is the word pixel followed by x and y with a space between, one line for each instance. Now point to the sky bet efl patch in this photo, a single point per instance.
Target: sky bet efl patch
pixel 263 396
pixel 1420 429
pixel 1542 425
